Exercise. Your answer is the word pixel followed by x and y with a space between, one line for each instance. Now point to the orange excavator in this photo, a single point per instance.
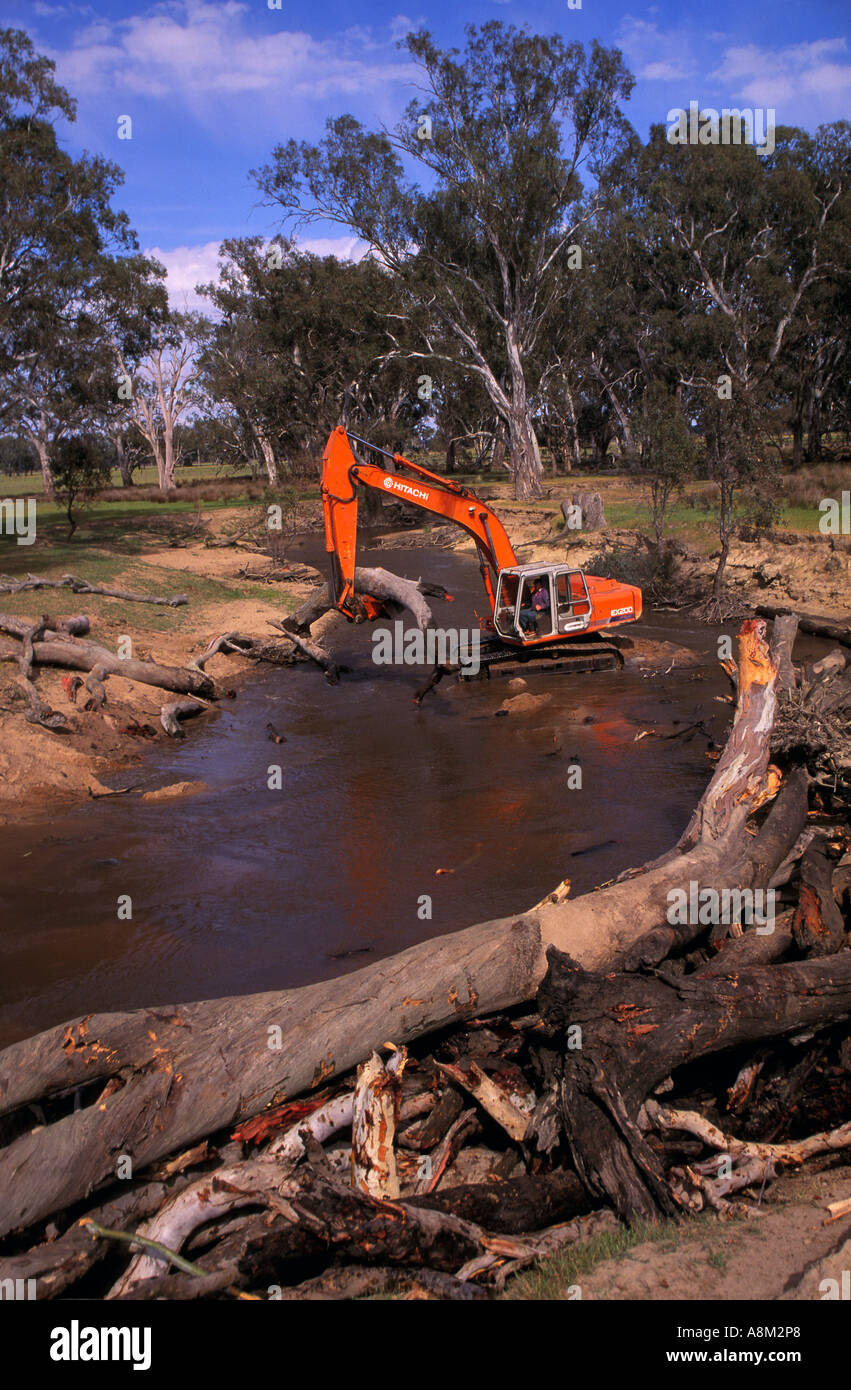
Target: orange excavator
pixel 541 611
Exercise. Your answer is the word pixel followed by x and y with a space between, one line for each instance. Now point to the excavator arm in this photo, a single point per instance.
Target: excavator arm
pixel 343 474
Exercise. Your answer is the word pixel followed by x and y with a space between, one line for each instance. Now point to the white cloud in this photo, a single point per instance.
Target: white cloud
pixel 805 83
pixel 653 53
pixel 195 51
pixel 345 248
pixel 188 266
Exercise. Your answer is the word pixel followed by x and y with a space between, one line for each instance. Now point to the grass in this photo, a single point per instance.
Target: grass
pixel 29 484
pixel 553 1279
pixel 106 553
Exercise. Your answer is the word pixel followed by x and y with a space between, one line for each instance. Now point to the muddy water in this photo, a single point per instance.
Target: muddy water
pixel 244 888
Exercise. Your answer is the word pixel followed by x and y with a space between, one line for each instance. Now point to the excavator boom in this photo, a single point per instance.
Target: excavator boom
pixel 342 475
pixel 532 605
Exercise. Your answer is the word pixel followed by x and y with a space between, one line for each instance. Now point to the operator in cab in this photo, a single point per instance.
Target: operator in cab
pixel 539 602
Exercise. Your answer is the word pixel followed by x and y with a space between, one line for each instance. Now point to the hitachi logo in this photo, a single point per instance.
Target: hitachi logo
pixel 409 491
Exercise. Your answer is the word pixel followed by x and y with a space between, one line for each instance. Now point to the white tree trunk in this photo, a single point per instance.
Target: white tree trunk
pixel 268 452
pixel 43 451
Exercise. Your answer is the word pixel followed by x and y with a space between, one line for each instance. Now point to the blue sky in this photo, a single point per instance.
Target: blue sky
pixel 212 87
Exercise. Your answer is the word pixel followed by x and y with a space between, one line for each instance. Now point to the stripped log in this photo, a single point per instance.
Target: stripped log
pixel 326 1028
pixel 77 626
pixel 170 715
pixel 377 583
pixel 376 1112
pixel 310 649
pixel 38 712
pixel 84 656
pixel 790 1154
pixel 784 632
pixel 94 683
pixel 82 586
pixel 380 584
pixel 502 1106
pixel 808 622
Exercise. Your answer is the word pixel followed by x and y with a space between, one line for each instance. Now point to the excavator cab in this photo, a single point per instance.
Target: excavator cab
pixel 563 607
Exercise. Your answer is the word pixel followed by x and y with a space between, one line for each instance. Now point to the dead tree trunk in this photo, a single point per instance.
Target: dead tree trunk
pixel 180 1084
pixel 635 1030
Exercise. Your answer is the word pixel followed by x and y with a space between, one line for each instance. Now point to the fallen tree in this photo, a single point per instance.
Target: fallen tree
pixel 326 1028
pixel 158 1082
pixel 82 586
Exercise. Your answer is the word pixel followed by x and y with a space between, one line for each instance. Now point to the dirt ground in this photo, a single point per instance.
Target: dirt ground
pixel 782 1250
pixel 37 766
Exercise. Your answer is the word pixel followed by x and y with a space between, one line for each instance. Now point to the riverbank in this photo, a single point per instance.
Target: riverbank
pixel 39 767
pixel 238 587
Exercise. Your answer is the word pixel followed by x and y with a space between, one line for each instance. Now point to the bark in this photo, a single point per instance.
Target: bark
pixel 376 1110
pixel 637 1030
pixel 818 926
pixel 809 622
pixel 125 467
pixel 525 465
pixel 185 1085
pixel 270 462
pixel 514 1206
pixel 591 509
pixel 43 451
pixel 784 632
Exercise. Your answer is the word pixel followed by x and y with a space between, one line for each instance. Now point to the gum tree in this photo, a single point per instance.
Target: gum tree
pixel 302 342
pixel 501 136
pixel 56 227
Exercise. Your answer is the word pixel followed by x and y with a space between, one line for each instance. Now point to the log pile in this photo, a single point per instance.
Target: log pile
pixel 62 642
pixel 437 1122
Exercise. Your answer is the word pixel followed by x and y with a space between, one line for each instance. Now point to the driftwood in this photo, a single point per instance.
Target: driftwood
pixel 325 1029
pixel 310 649
pixel 38 712
pixel 82 586
pixel 57 643
pixel 379 584
pixel 635 1030
pixel 576 1111
pixel 818 926
pixel 170 715
pixel 809 622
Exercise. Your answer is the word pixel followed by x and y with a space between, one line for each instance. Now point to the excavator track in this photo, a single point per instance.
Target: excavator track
pixel 577 655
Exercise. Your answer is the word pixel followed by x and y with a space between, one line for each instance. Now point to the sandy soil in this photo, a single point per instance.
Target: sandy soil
pixel 37 767
pixel 782 1250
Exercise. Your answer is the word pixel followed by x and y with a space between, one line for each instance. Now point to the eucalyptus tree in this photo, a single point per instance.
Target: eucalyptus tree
pixel 301 343
pixel 56 226
pixel 502 136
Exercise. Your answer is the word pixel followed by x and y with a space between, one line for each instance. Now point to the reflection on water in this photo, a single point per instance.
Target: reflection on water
pixel 243 888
